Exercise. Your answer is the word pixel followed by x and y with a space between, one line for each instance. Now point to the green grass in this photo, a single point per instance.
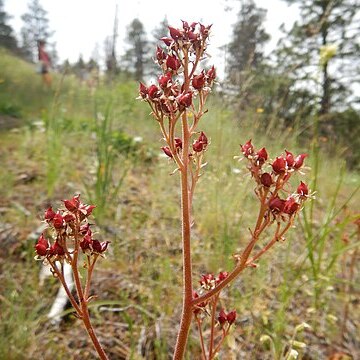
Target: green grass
pixel 65 145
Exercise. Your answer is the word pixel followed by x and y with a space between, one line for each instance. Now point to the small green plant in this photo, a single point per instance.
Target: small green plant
pixel 53 153
pixel 105 187
pixel 10 109
pixel 324 241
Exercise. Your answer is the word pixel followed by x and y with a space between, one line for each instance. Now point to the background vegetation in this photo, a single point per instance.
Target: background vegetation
pixel 96 139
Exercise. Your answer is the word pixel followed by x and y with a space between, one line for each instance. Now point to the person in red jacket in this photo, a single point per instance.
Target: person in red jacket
pixel 45 63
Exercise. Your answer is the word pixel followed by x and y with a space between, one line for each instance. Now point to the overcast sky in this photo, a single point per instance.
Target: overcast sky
pixel 81 24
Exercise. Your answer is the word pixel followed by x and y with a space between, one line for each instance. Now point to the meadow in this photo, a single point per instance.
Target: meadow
pixel 102 143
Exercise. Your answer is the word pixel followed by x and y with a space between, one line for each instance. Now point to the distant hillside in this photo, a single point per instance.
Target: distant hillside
pixel 21 90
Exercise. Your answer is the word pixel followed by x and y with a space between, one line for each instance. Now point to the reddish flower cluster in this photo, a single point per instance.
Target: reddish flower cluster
pixel 178 147
pixel 224 317
pixel 69 225
pixel 171 95
pixel 273 181
pixel 209 281
pixel 201 143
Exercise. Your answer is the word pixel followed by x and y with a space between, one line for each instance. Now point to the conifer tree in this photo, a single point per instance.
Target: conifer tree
pixel 136 58
pixel 321 51
pixel 245 52
pixel 35 28
pixel 7 38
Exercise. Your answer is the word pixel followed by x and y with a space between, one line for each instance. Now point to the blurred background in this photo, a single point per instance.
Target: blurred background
pixel 288 78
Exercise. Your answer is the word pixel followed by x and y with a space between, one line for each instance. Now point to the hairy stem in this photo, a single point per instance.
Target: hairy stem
pixel 82 301
pixel 186 315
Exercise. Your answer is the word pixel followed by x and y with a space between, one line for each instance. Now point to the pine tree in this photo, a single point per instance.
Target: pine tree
pixel 321 51
pixel 136 57
pixel 7 38
pixel 36 27
pixel 245 56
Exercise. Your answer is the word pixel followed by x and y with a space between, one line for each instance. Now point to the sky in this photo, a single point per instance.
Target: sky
pixel 81 24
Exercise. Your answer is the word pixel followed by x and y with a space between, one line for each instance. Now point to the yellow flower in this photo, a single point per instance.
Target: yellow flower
pixel 327 52
pixel 259 110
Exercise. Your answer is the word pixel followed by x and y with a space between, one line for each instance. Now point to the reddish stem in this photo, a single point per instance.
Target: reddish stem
pixel 225 333
pixel 212 330
pixel 68 292
pixel 201 338
pixel 89 275
pixel 187 313
pixel 82 300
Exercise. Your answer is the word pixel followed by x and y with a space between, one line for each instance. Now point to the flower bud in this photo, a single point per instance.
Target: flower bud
pixel 247 149
pixel 198 81
pixel 266 179
pixel 68 218
pixel 160 54
pixel 154 92
pixel 185 99
pixel 186 26
pixel 192 36
pixel 49 214
pixel 262 155
pixel 175 33
pixel 193 26
pixel 167 151
pixel 198 146
pixel 172 62
pixel 231 317
pixel 276 205
pixel 56 249
pixel 299 161
pixel 302 189
pixel 143 90
pixel 85 243
pixel 89 209
pixel 58 221
pixel 178 143
pixel 222 317
pixel 279 165
pixel 167 40
pixel 205 30
pixel 291 206
pixel 42 246
pixel 201 143
pixel 164 80
pixel 73 204
pixel 211 75
pixel 203 138
pixel 99 247
pixel 289 158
